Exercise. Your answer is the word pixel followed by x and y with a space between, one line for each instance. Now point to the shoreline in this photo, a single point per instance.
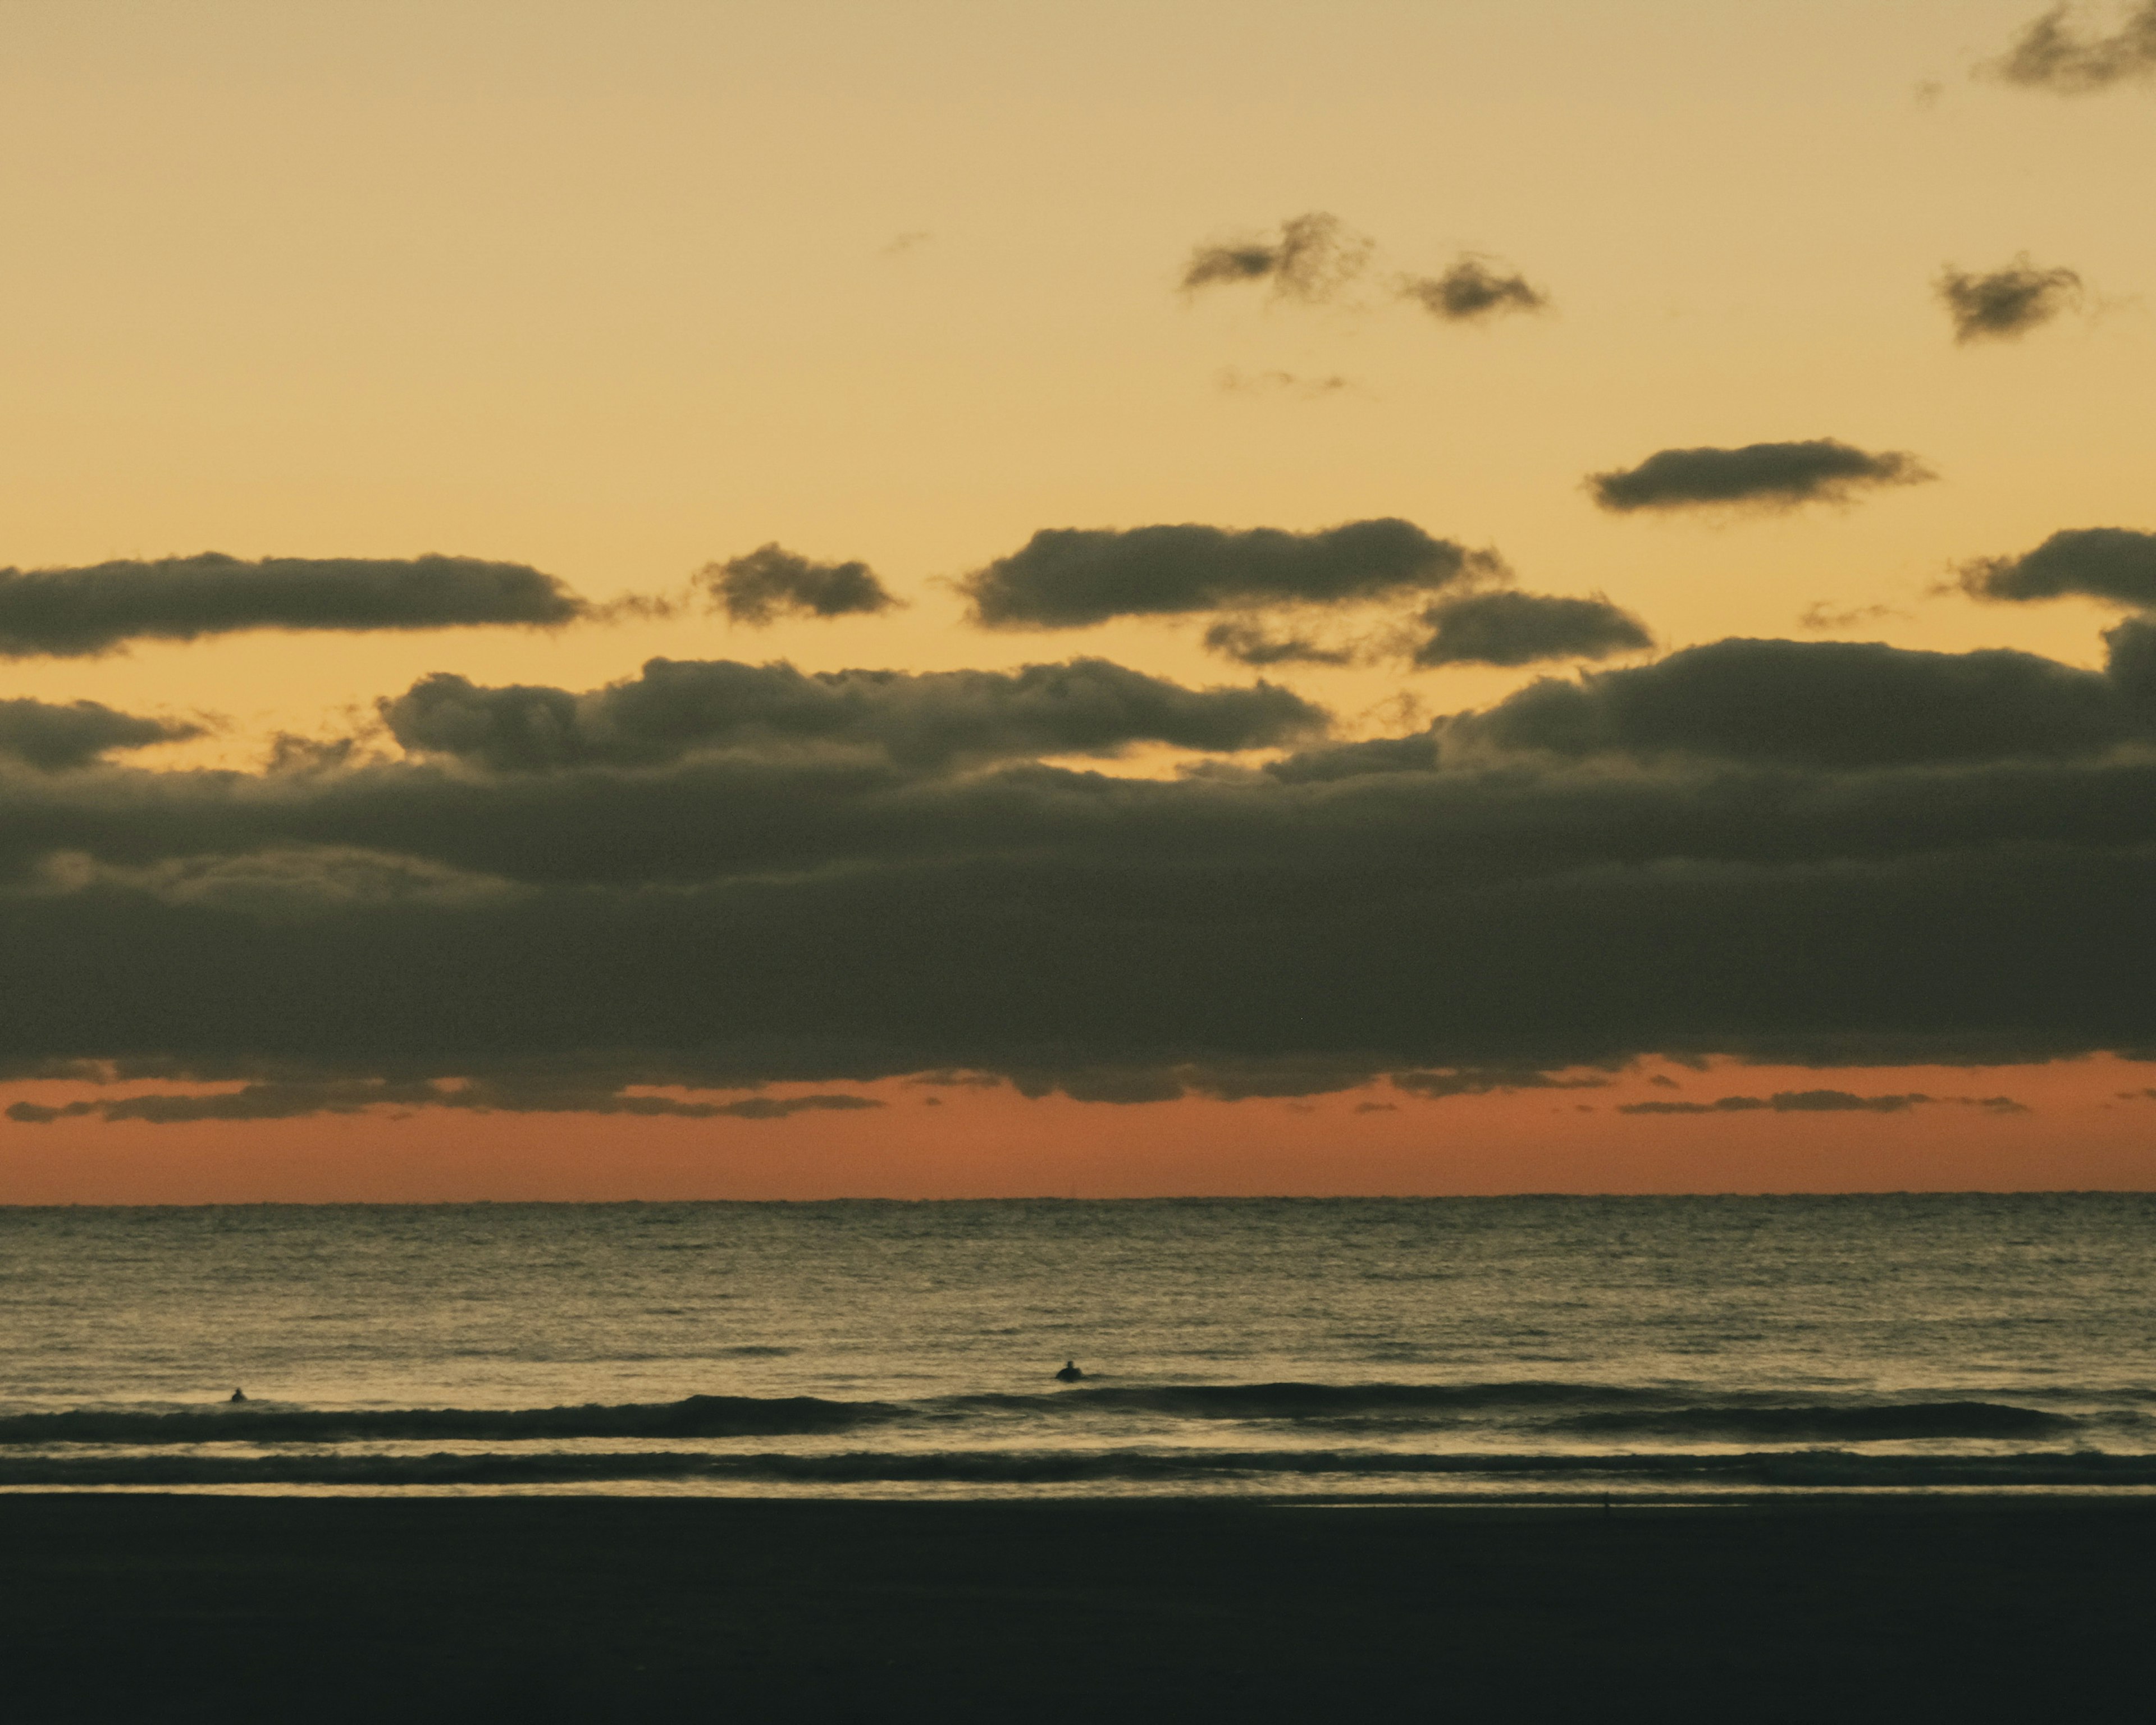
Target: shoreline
pixel 117 1605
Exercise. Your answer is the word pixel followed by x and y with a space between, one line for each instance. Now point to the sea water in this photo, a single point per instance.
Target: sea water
pixel 1549 1347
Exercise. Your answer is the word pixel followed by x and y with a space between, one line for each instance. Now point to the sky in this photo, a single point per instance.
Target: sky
pixel 718 600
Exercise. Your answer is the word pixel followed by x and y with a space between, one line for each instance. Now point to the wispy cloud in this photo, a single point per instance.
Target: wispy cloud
pixel 1314 256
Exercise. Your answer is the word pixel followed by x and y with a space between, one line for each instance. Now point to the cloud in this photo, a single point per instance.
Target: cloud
pixel 1254 644
pixel 1509 628
pixel 1822 1101
pixel 1822 470
pixel 53 738
pixel 2114 563
pixel 73 613
pixel 2003 304
pixel 2051 55
pixel 1315 257
pixel 1071 577
pixel 930 720
pixel 1841 705
pixel 1822 615
pixel 771 582
pixel 1436 1086
pixel 293 1099
pixel 1807 853
pixel 1470 291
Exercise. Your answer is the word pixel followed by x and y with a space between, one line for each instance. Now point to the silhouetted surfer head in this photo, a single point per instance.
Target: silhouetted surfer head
pixel 1069 1374
pixel 237 1395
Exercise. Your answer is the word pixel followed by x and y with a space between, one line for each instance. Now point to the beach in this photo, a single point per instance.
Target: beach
pixel 126 1606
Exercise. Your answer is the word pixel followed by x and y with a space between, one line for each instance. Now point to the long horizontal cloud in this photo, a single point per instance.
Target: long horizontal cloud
pixel 1679 859
pixel 53 738
pixel 2050 54
pixel 932 719
pixel 1999 304
pixel 2114 563
pixel 1822 1101
pixel 71 613
pixel 295 1099
pixel 1071 577
pixel 771 582
pixel 1508 627
pixel 1841 705
pixel 1822 469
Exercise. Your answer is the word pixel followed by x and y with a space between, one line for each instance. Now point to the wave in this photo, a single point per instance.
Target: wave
pixel 1584 1410
pixel 696 1416
pixel 1785 1469
pixel 1829 1424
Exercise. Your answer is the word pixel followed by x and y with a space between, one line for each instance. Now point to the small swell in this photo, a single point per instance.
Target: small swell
pixel 697 1416
pixel 1874 1423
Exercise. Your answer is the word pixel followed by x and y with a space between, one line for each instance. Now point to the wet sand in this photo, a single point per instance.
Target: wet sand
pixel 153 1608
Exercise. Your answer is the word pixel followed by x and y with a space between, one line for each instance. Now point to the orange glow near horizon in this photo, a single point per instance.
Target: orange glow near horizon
pixel 2090 1124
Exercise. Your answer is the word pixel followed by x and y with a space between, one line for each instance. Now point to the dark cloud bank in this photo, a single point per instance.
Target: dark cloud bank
pixel 723 876
pixel 78 612
pixel 1774 474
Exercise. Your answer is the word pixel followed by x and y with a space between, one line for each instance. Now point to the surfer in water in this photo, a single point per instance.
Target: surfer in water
pixel 1069 1374
pixel 237 1395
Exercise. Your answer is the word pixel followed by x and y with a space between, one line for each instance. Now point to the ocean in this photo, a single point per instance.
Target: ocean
pixel 1553 1348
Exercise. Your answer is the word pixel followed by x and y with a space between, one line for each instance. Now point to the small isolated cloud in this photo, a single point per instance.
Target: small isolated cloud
pixel 1508 627
pixel 2114 563
pixel 1775 476
pixel 2001 305
pixel 76 613
pixel 911 240
pixel 53 738
pixel 1471 291
pixel 1254 644
pixel 771 582
pixel 1315 256
pixel 2051 54
pixel 1071 577
pixel 1824 1102
pixel 1823 614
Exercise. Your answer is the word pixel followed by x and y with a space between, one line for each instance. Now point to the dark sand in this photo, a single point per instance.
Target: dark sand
pixel 153 1608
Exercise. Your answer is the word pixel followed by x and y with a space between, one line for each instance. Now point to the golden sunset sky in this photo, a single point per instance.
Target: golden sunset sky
pixel 619 291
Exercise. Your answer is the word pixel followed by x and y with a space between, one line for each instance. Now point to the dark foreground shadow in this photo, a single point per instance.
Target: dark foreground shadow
pixel 143 1607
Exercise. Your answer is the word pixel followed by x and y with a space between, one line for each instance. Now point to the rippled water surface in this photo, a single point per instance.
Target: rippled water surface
pixel 1343 1346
